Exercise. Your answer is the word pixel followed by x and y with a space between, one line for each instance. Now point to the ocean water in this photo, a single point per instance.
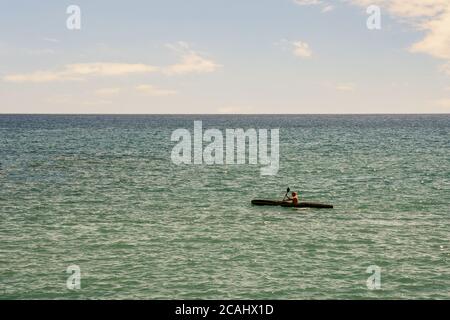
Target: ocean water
pixel 101 193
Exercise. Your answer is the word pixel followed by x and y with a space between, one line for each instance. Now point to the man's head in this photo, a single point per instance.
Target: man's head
pixel 294 194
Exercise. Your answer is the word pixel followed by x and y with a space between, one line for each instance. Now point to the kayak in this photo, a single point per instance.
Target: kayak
pixel 290 204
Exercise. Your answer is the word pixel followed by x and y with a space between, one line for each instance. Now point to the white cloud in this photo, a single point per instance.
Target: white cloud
pixel 39 77
pixel 108 69
pixel 298 48
pixel 155 91
pixel 327 8
pixel 437 39
pixel 191 61
pixel 79 71
pixel 301 49
pixel 346 87
pixel 429 16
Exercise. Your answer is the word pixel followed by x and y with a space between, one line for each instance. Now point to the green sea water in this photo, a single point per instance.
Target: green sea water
pixel 101 193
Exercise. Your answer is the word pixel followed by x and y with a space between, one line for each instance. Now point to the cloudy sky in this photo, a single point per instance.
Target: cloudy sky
pixel 217 56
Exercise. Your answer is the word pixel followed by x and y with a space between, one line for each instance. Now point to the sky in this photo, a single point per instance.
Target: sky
pixel 217 56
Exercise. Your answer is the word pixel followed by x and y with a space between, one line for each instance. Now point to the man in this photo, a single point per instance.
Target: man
pixel 294 198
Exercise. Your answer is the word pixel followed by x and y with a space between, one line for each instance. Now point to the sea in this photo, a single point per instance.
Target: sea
pixel 93 207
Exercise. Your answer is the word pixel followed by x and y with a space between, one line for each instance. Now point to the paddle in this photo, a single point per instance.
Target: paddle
pixel 287 191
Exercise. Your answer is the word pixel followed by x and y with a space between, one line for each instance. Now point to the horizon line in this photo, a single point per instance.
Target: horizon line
pixel 221 114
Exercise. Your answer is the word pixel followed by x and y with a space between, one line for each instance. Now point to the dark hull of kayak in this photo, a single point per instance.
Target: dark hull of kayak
pixel 308 205
pixel 267 203
pixel 289 204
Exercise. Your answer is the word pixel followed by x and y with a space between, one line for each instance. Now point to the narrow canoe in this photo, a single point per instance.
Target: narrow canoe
pixel 289 204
